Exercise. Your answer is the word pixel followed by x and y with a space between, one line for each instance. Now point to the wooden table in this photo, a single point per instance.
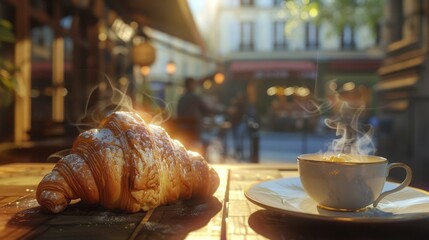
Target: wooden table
pixel 227 215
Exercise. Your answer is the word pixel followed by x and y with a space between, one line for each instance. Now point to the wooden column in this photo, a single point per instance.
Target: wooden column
pixel 23 61
pixel 57 67
pixel 77 76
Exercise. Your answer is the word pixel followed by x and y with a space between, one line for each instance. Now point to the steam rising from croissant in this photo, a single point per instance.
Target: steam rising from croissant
pixel 126 164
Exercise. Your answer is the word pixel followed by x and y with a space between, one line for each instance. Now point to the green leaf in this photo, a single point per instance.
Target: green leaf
pixel 5 24
pixel 6 36
pixel 7 83
pixel 8 66
pixel 5 97
pixel 6 31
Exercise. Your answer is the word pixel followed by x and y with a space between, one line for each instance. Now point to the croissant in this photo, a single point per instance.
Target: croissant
pixel 126 164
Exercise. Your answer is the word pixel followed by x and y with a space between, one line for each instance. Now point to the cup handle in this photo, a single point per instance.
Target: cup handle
pixel 401 186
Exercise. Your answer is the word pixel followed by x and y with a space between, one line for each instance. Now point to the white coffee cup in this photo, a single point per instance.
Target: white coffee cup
pixel 350 185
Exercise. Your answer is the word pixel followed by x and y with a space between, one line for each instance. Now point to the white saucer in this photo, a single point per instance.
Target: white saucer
pixel 287 195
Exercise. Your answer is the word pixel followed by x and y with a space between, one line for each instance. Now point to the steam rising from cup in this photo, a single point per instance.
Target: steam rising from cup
pixel 355 138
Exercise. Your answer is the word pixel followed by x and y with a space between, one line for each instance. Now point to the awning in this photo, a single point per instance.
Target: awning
pixel 172 17
pixel 271 65
pixel 272 69
pixel 354 65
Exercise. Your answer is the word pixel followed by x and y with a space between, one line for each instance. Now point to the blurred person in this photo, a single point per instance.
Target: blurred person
pixel 279 112
pixel 236 114
pixel 191 110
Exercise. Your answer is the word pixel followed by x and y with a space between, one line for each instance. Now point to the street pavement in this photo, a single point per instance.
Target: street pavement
pixel 285 147
pixel 274 147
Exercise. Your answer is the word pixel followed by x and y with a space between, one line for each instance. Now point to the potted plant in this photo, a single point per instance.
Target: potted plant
pixel 8 81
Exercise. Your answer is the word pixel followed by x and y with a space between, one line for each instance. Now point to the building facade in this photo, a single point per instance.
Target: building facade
pixel 291 62
pixel 403 90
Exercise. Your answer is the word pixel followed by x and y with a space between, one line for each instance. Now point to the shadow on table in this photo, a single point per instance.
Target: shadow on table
pixel 78 221
pixel 275 225
pixel 178 220
pixel 81 221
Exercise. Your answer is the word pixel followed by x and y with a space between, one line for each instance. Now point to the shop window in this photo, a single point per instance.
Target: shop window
pixel 66 22
pixel 41 74
pixel 247 36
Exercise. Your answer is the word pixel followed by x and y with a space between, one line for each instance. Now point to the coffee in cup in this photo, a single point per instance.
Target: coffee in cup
pixel 347 182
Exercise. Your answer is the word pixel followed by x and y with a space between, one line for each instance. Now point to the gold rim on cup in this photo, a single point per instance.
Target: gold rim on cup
pixel 305 157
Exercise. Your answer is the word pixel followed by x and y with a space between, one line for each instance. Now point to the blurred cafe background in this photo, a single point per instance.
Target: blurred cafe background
pixel 291 61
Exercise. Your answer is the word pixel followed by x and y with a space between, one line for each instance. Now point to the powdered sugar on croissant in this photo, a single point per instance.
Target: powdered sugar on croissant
pixel 126 164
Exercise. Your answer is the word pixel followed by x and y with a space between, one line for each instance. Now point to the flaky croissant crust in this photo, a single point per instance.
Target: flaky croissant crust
pixel 126 164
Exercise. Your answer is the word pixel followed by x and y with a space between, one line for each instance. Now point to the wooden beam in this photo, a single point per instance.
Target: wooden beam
pixel 401 66
pixel 23 61
pixel 57 67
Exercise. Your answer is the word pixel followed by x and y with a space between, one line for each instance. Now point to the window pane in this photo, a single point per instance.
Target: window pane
pixel 279 35
pixel 246 38
pixel 347 38
pixel 278 3
pixel 247 2
pixel 41 73
pixel 312 36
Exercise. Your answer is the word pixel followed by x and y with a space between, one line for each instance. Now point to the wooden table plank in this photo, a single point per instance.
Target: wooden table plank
pixel 197 218
pixel 239 208
pixel 223 216
pixel 21 216
pixel 227 215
